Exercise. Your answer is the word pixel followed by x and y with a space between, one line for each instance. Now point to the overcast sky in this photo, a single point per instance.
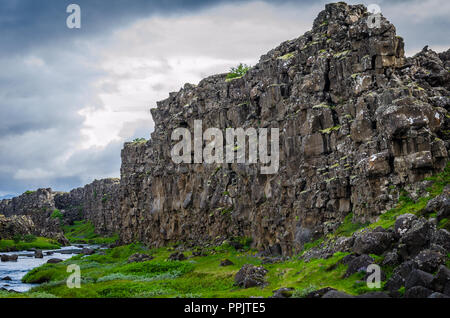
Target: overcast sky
pixel 70 98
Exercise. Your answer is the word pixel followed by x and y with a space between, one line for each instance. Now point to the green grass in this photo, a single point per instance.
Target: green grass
pixel 39 243
pixel 110 276
pixel 83 232
pixel 237 72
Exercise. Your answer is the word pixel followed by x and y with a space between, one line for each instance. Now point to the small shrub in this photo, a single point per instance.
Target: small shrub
pixel 238 72
pixel 57 214
pixel 30 238
pixel 17 238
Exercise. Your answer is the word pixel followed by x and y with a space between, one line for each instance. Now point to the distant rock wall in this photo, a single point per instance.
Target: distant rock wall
pixel 96 202
pixel 357 121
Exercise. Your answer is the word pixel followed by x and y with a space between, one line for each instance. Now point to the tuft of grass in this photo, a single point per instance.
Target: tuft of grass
pixel 237 72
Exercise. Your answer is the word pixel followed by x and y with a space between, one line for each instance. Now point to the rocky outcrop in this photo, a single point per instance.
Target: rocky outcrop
pixel 15 225
pixel 96 202
pixel 357 120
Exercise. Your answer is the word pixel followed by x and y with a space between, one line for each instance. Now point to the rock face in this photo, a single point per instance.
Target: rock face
pixel 31 213
pixel 357 119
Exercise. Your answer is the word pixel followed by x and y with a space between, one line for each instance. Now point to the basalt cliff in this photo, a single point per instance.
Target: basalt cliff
pixel 357 120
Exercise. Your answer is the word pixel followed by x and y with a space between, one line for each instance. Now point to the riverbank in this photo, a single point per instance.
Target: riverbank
pixel 40 243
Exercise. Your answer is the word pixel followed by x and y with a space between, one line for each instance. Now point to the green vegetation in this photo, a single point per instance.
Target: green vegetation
pixel 287 56
pixel 237 72
pixel 110 276
pixel 57 214
pixel 139 141
pixel 330 130
pixel 29 192
pixel 83 232
pixel 28 242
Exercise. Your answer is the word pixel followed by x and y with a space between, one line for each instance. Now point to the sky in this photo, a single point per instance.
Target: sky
pixel 70 98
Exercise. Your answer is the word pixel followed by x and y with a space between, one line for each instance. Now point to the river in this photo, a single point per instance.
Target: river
pixel 26 262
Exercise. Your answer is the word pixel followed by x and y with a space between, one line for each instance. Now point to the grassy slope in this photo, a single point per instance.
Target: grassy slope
pixel 40 243
pixel 83 232
pixel 110 276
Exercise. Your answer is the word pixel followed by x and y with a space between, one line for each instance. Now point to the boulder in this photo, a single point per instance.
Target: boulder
pixel 9 258
pixel 394 283
pixel 419 278
pixel 250 276
pixel 226 262
pixel 391 259
pixel 38 254
pixel 442 238
pixel 319 293
pixel 6 278
pixel 429 260
pixel 139 257
pixel 438 295
pixel 337 294
pixel 177 256
pixel 418 236
pixel 373 242
pixel 441 279
pixel 418 292
pixel 403 223
pixel 54 261
pixel 87 251
pixel 359 264
pixel 283 292
pixel 377 294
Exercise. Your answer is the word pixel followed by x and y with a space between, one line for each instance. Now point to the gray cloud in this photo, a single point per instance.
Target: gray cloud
pixel 69 99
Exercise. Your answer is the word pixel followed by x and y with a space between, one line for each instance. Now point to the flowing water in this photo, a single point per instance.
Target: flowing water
pixel 26 262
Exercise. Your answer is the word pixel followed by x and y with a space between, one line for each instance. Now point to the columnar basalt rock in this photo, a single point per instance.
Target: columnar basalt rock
pixel 96 202
pixel 357 120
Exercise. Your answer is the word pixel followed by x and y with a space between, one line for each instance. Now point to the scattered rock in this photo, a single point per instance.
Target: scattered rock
pixel 374 295
pixel 87 251
pixel 403 223
pixel 226 262
pixel 9 258
pixel 359 264
pixel 139 257
pixel 441 279
pixel 6 278
pixel 54 261
pixel 418 292
pixel 250 276
pixel 438 295
pixel 177 256
pixel 418 236
pixel 419 278
pixel 319 293
pixel 391 259
pixel 283 292
pixel 429 260
pixel 337 294
pixel 373 242
pixel 38 254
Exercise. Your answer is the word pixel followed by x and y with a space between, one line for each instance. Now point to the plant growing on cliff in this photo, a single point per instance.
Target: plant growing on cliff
pixel 237 72
pixel 57 214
